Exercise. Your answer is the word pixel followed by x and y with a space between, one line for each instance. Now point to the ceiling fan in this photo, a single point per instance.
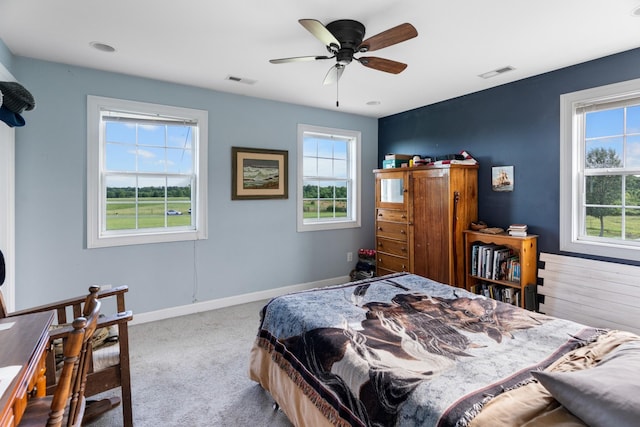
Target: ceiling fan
pixel 344 38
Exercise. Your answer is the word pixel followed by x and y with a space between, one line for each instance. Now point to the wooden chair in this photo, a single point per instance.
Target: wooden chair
pixel 98 381
pixel 67 404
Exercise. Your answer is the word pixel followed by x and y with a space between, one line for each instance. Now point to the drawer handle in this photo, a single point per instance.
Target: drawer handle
pixel 379 228
pixel 403 232
pixel 379 214
pixel 403 217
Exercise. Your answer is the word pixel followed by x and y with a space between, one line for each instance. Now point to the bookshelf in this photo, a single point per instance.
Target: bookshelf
pixel 501 265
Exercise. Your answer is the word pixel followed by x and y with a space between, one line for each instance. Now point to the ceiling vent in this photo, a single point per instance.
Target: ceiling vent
pixel 496 72
pixel 240 80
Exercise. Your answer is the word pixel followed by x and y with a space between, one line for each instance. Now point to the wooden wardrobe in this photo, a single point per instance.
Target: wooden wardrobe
pixel 421 213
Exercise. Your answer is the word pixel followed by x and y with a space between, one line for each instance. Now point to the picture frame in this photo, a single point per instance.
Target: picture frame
pixel 258 173
pixel 502 178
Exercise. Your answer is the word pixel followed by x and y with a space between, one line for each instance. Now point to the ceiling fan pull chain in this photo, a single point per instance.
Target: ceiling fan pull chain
pixel 337 94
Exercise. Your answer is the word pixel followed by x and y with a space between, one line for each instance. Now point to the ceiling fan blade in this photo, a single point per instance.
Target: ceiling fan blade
pixel 320 32
pixel 298 59
pixel 334 74
pixel 381 64
pixel 390 37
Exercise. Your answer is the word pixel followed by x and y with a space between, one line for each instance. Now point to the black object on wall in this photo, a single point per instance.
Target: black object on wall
pixel 513 124
pixel 3 272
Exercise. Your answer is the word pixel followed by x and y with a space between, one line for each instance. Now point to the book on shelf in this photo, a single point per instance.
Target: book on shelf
pixel 507 295
pixel 501 257
pixel 519 230
pixel 482 259
pixel 518 227
pixel 513 269
pixel 487 260
pixel 474 259
pixel 393 156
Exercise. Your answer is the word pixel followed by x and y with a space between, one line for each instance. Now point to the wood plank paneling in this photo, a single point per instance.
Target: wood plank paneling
pixel 596 293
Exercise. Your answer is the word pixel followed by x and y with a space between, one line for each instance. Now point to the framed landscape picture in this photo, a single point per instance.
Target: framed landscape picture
pixel 258 173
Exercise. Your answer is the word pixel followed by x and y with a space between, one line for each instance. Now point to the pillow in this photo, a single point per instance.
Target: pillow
pixel 605 395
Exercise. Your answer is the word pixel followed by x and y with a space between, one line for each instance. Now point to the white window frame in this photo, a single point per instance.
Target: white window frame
pixel 96 189
pixel 572 174
pixel 353 176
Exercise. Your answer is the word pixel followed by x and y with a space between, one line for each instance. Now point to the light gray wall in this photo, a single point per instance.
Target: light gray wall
pixel 252 246
pixel 6 58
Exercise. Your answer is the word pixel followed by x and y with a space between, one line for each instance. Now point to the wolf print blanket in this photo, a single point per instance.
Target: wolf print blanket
pixel 404 350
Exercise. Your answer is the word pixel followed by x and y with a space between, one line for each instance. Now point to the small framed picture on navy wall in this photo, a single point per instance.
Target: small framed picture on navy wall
pixel 502 178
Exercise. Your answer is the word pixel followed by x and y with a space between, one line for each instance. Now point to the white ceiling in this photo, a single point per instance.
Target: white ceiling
pixel 202 42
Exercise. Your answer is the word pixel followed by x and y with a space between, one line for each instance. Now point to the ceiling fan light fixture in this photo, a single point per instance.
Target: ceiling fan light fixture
pixel 636 12
pixel 344 37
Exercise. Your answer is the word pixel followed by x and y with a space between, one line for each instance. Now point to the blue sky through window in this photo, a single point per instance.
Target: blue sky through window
pixel 606 129
pixel 325 157
pixel 149 148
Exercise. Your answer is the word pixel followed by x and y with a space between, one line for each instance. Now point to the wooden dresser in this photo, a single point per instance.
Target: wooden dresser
pixel 421 213
pixel 392 221
pixel 24 344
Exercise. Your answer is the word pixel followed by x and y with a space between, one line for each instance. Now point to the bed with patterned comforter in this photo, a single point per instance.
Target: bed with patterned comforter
pixel 405 350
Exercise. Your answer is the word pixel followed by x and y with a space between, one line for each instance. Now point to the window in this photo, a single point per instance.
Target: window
pixel 600 171
pixel 146 173
pixel 328 178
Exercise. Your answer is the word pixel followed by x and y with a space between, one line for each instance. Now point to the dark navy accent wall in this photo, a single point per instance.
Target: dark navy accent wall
pixel 514 124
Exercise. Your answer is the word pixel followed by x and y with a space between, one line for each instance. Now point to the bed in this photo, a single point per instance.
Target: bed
pixel 405 350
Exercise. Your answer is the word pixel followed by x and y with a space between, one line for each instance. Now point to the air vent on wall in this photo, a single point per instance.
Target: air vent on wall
pixel 496 72
pixel 241 80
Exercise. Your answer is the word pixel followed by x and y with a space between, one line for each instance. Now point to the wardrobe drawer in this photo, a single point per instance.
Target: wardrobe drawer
pixel 393 263
pixel 392 230
pixel 392 247
pixel 391 215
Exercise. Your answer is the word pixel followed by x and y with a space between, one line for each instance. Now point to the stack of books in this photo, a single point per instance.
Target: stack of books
pixel 517 230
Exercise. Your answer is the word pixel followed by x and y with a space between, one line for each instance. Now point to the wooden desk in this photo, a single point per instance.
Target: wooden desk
pixel 24 344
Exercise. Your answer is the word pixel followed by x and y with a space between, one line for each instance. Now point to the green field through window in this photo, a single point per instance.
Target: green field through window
pixel 121 213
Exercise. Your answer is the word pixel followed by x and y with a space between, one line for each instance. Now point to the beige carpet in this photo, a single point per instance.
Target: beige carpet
pixel 193 371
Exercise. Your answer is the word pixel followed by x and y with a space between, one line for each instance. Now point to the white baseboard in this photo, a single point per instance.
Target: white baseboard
pixel 198 307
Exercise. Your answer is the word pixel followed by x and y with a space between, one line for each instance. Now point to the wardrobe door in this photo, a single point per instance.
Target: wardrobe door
pixel 431 224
